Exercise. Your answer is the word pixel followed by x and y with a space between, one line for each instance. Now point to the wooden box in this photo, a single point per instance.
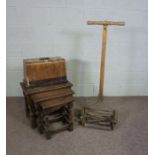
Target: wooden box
pixel 40 71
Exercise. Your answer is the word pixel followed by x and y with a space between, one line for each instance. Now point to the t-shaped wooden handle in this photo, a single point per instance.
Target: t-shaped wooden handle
pixel 105 23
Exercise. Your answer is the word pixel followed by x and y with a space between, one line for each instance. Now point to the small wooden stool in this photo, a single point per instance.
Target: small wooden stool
pixel 47 117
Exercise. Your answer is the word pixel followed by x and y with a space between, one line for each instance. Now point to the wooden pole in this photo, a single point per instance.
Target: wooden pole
pixel 103 51
pixel 102 67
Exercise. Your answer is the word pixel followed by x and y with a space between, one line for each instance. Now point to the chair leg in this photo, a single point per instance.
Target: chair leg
pixel 48 135
pixel 33 122
pixel 70 127
pixel 40 125
pixel 27 109
pixel 41 129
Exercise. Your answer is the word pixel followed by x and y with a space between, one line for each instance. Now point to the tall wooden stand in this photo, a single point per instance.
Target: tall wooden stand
pixel 105 25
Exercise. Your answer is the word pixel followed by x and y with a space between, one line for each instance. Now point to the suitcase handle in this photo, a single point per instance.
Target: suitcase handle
pixel 44 58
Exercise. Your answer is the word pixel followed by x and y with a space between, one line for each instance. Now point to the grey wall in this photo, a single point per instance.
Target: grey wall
pixel 37 28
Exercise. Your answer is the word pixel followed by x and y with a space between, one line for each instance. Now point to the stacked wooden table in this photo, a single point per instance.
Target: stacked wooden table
pixel 48 95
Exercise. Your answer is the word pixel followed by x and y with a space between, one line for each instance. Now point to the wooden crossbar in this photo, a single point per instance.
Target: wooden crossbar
pixel 105 23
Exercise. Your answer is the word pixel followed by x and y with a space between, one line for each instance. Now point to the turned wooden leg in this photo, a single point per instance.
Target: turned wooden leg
pixel 41 129
pixel 70 127
pixel 70 116
pixel 27 110
pixel 48 135
pixel 33 122
pixel 40 123
pixel 32 113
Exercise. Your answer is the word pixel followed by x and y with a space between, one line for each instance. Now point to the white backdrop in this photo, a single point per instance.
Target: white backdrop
pixel 41 28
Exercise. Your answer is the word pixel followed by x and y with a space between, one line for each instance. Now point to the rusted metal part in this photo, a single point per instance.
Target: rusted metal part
pixel 102 119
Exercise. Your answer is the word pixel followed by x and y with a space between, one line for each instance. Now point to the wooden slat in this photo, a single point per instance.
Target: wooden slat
pixel 36 90
pixel 56 102
pixel 44 96
pixel 47 82
pixel 59 129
